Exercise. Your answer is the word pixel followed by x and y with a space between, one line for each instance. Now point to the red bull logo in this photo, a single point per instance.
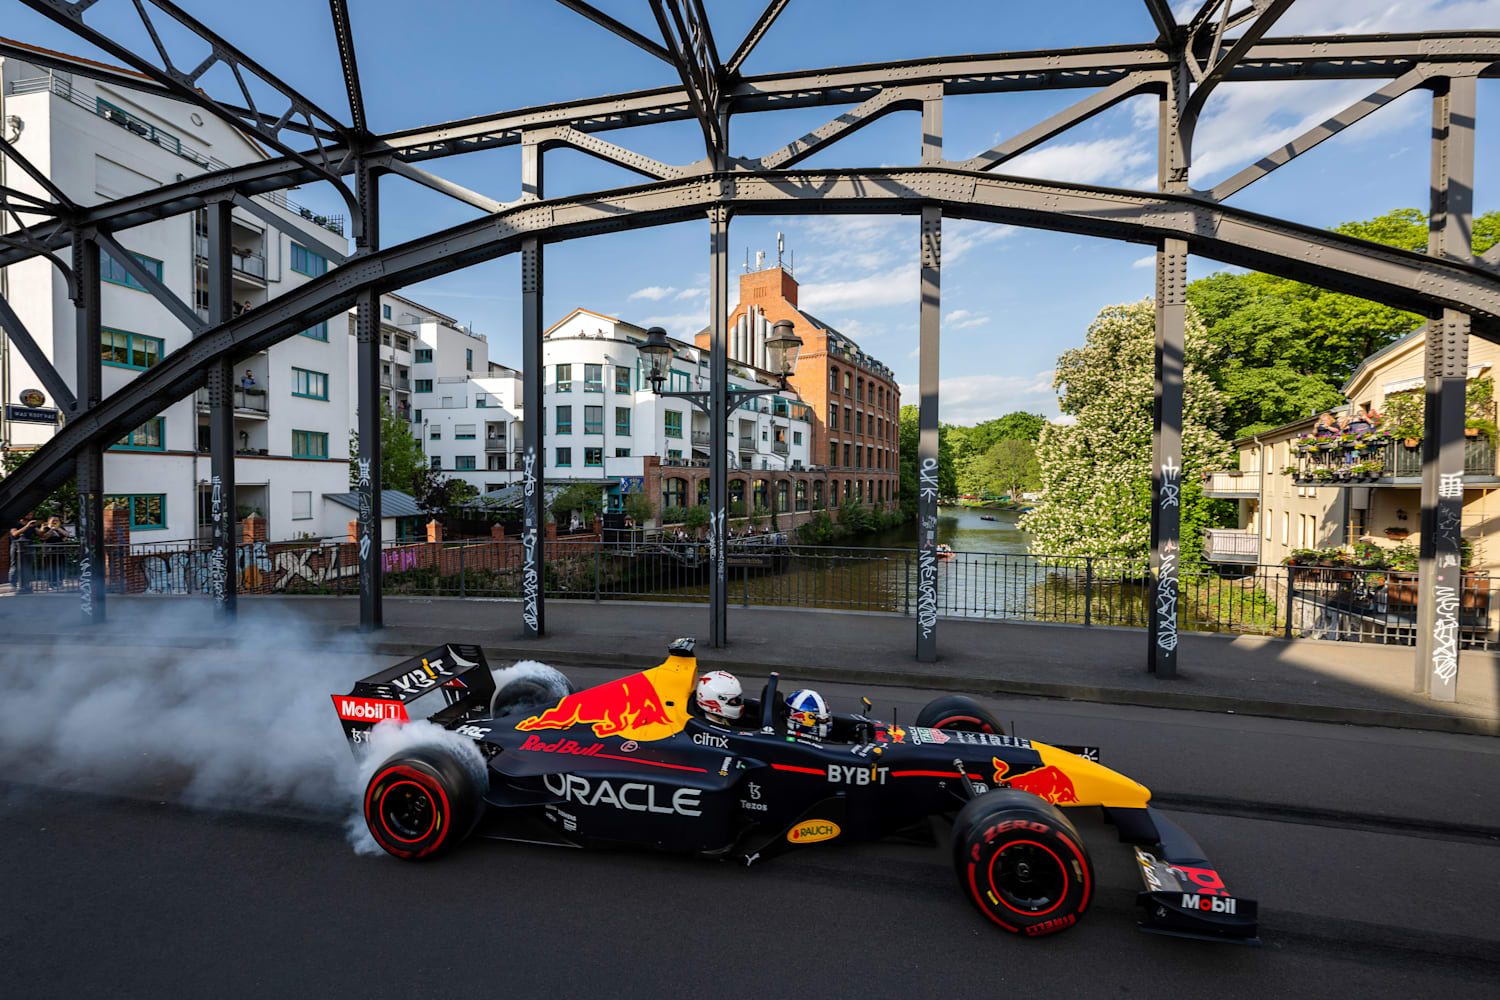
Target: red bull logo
pixel 1048 782
pixel 627 705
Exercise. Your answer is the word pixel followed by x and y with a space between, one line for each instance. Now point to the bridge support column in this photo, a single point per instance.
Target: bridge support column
pixel 1449 234
pixel 1166 456
pixel 223 583
pixel 369 404
pixel 718 421
pixel 89 466
pixel 534 502
pixel 927 434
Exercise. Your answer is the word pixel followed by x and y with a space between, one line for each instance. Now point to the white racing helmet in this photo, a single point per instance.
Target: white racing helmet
pixel 720 695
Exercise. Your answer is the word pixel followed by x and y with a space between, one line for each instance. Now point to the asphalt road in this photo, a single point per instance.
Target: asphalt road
pixel 1375 855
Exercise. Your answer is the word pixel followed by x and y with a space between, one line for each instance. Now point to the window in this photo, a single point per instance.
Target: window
pixel 674 454
pixel 422 385
pixel 833 417
pixel 622 420
pixel 674 492
pixel 847 391
pixel 481 400
pixel 565 456
pixel 319 332
pixel 435 433
pixel 122 349
pixel 593 456
pixel 148 511
pixel 114 272
pixel 833 380
pixel 861 393
pixel 564 378
pixel 593 378
pixel 309 444
pixel 304 261
pixel 783 496
pixel 622 453
pixel 468 359
pixel 437 463
pixel 764 434
pixel 848 419
pixel 679 381
pixel 385 312
pixel 422 354
pixel 673 424
pixel 464 432
pixel 796 437
pixel 416 416
pixel 593 420
pixel 817 493
pixel 403 344
pixel 1285 530
pixel 1269 519
pixel 309 384
pixel 859 456
pixel 464 463
pixel 802 494
pixel 846 454
pixel 301 505
pixel 833 453
pixel 150 436
pixel 622 379
pixel 833 492
pixel 565 420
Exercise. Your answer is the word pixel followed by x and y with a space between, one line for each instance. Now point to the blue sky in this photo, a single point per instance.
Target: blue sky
pixel 1013 299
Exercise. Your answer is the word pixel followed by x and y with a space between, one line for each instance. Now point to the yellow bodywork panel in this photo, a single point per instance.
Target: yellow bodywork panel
pixel 650 705
pixel 1066 779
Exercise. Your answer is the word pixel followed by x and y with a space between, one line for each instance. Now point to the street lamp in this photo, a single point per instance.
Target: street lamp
pixel 782 349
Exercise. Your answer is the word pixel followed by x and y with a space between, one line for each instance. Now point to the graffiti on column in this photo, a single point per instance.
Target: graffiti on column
pixel 1166 597
pixel 1171 483
pixel 927 598
pixel 1445 635
pixel 1446 597
pixel 85 556
pixel 216 570
pixel 366 529
pixel 530 576
pixel 715 520
pixel 929 480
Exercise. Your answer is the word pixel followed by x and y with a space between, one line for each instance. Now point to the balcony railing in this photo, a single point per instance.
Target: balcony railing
pixel 1336 464
pixel 780 448
pixel 1231 545
pixel 495 445
pixel 251 264
pixel 700 439
pixel 119 116
pixel 1232 484
pixel 747 443
pixel 245 400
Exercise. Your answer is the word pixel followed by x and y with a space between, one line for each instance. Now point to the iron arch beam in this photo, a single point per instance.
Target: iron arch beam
pixel 1397 277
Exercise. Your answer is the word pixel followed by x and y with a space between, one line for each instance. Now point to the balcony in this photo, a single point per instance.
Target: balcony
pixel 251 265
pixel 1231 545
pixel 780 448
pixel 747 443
pixel 1382 462
pixel 700 439
pixel 495 445
pixel 247 402
pixel 1232 484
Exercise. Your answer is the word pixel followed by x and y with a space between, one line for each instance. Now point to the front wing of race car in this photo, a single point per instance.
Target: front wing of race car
pixel 1184 895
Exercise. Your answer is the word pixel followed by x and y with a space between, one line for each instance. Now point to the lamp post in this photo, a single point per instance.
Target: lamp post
pixel 781 349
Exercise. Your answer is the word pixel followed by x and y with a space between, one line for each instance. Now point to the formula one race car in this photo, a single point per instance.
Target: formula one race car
pixel 633 761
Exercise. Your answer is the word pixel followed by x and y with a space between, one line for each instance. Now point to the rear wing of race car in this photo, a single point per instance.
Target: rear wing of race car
pixel 443 685
pixel 1184 895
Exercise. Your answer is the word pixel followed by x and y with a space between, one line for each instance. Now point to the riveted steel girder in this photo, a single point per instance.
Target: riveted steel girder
pixel 1397 277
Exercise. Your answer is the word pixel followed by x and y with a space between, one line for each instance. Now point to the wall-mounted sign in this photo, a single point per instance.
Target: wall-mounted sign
pixel 632 484
pixel 33 398
pixel 31 414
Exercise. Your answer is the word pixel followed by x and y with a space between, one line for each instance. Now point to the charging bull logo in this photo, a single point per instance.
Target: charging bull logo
pixel 629 706
pixel 1047 782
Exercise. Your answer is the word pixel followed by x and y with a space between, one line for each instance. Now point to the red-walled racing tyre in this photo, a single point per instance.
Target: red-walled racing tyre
pixel 957 711
pixel 1021 862
pixel 420 803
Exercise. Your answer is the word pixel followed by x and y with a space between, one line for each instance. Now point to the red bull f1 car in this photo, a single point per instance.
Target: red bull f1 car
pixel 632 761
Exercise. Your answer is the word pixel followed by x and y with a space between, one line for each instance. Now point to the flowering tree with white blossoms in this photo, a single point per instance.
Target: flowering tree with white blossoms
pixel 1096 473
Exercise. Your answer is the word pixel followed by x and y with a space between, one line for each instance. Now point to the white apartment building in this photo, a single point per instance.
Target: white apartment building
pixel 100 141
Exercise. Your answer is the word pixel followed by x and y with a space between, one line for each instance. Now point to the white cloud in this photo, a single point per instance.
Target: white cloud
pixel 970 399
pixel 689 293
pixel 1091 161
pixel 653 292
pixel 1146 261
pixel 960 319
pixel 680 325
pixel 896 286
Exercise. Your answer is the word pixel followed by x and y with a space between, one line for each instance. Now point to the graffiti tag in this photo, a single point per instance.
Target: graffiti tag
pixel 1445 635
pixel 1166 597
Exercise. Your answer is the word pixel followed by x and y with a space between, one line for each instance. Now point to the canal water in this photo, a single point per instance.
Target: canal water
pixel 961 528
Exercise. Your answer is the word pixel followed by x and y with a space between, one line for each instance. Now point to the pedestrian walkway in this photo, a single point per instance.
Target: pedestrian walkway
pixel 1297 679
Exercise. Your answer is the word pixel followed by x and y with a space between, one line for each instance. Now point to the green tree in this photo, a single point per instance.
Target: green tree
pixel 401 456
pixel 581 498
pixel 696 518
pixel 972 444
pixel 1096 474
pixel 1009 466
pixel 439 496
pixel 637 508
pixel 62 503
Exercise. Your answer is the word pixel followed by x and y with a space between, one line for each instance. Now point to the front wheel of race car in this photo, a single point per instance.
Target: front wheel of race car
pixel 420 803
pixel 960 712
pixel 1021 862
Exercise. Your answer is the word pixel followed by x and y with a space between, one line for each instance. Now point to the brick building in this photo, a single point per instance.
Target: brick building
pixel 856 404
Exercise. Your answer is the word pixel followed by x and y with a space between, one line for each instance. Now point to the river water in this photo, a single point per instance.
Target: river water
pixel 959 527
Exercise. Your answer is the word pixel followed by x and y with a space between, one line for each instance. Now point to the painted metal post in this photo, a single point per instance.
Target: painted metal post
pixel 1166 456
pixel 534 516
pixel 89 466
pixel 927 435
pixel 718 420
pixel 1450 235
pixel 368 401
pixel 223 583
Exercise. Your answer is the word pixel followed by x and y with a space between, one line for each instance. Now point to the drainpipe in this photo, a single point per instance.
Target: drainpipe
pixel 4 292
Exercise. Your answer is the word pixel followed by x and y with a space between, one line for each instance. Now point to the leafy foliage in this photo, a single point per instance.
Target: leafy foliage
pixel 1096 474
pixel 1010 466
pixel 947 475
pixel 63 501
pixel 402 462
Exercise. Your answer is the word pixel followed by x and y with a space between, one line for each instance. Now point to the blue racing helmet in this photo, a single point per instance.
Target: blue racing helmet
pixel 807 715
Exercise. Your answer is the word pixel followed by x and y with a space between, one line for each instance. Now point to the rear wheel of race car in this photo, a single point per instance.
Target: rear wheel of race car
pixel 960 712
pixel 420 803
pixel 1021 862
pixel 525 693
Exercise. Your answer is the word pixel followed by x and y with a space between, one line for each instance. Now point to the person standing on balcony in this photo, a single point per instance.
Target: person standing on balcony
pixel 248 382
pixel 1325 427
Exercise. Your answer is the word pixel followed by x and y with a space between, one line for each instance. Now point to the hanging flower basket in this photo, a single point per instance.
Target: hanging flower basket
pixel 1325 445
pixel 1396 534
pixel 1412 442
pixel 1471 432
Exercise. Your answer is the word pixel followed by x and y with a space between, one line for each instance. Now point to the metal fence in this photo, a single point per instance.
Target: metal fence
pixel 1338 603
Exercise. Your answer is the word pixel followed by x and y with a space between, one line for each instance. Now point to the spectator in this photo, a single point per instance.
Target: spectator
pixel 1360 423
pixel 248 382
pixel 1325 427
pixel 52 534
pixel 24 531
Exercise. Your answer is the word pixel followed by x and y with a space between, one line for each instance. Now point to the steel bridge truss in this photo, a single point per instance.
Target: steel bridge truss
pixel 1224 42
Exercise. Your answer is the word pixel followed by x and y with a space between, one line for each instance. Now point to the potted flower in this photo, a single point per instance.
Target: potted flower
pixel 1290 470
pixel 1396 534
pixel 1404 417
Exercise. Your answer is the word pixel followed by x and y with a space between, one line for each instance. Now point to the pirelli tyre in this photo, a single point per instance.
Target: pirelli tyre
pixel 1021 862
pixel 960 712
pixel 420 803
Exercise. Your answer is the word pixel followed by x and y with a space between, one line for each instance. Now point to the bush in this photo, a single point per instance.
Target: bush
pixel 696 517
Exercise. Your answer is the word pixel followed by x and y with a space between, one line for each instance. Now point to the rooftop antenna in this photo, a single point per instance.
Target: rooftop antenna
pixel 760 260
pixel 780 248
pixel 747 260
